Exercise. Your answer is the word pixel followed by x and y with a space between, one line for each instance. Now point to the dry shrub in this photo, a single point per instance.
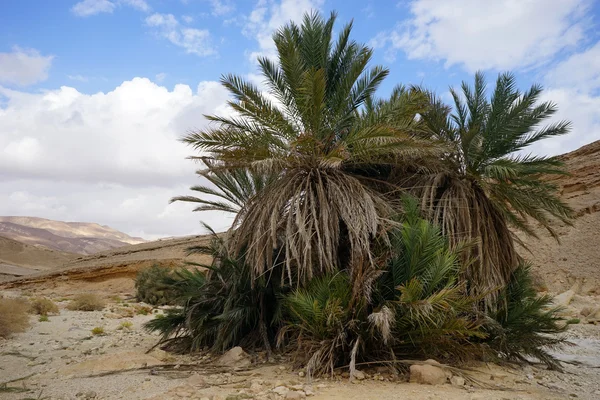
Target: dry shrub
pixel 13 316
pixel 86 302
pixel 43 306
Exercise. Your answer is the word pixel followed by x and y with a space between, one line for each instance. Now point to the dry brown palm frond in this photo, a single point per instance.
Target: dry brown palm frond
pixel 305 218
pixel 465 213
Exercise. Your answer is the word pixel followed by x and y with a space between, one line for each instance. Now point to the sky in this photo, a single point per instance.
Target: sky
pixel 95 94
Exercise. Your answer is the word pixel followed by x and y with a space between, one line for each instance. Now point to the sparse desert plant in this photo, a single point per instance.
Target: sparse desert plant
pixel 98 331
pixel 142 310
pixel 43 306
pixel 14 316
pixel 43 318
pixel 86 302
pixel 153 285
pixel 125 325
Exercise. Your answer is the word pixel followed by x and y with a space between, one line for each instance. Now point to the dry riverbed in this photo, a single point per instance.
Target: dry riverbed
pixel 62 359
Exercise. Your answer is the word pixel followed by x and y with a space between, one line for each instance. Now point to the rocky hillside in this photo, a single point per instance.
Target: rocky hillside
pixel 71 237
pixel 120 264
pixel 19 259
pixel 576 258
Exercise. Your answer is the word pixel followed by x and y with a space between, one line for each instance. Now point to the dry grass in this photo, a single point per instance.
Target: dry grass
pixel 13 316
pixel 86 302
pixel 43 306
pixel 125 325
pixel 98 331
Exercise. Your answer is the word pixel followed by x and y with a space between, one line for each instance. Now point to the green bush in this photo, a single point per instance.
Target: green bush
pixel 221 308
pixel 525 324
pixel 154 285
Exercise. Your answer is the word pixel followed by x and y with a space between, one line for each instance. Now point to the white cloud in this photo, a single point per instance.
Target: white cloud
pixel 24 67
pixel 89 153
pixel 573 85
pixel 86 8
pixel 79 78
pixel 141 5
pixel 581 71
pixel 222 7
pixel 194 41
pixel 502 34
pixel 188 19
pixel 268 16
pixel 160 77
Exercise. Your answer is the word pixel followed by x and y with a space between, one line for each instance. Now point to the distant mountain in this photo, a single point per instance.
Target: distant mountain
pixel 71 237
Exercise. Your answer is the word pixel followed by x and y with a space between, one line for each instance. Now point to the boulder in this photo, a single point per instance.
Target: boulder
pixel 427 374
pixel 236 357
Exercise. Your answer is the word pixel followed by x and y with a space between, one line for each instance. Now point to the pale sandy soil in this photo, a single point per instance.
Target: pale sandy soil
pixel 61 359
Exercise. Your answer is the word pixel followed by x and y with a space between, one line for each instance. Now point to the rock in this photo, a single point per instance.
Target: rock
pixel 564 299
pixel 110 362
pixel 359 375
pixel 196 380
pixel 281 390
pixel 87 395
pixel 293 395
pixel 427 374
pixel 301 374
pixel 457 381
pixel 236 357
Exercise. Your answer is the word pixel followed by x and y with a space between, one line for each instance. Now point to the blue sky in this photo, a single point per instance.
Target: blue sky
pixel 94 93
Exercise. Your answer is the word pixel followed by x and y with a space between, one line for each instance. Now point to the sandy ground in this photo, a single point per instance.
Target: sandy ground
pixel 62 359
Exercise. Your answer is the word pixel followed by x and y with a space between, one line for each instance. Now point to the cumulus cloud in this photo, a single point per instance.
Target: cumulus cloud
pixel 194 41
pixel 24 67
pixel 111 158
pixel 503 34
pixel 268 16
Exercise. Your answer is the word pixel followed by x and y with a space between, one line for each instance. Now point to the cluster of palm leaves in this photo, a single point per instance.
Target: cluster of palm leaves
pixel 326 251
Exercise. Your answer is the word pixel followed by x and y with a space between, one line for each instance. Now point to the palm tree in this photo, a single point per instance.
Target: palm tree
pixel 229 189
pixel 485 186
pixel 319 213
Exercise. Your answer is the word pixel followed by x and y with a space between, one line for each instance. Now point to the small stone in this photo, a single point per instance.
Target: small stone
pixel 294 395
pixel 359 375
pixel 457 380
pixel 281 390
pixel 236 357
pixel 301 374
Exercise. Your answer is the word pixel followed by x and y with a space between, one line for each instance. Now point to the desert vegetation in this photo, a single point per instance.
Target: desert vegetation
pixel 86 302
pixel 13 316
pixel 43 306
pixel 368 229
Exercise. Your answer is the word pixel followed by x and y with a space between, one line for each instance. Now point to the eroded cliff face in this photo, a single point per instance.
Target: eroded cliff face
pixel 576 258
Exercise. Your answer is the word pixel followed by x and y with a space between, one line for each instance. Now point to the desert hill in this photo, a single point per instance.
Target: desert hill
pixel 121 264
pixel 71 237
pixel 576 259
pixel 18 259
